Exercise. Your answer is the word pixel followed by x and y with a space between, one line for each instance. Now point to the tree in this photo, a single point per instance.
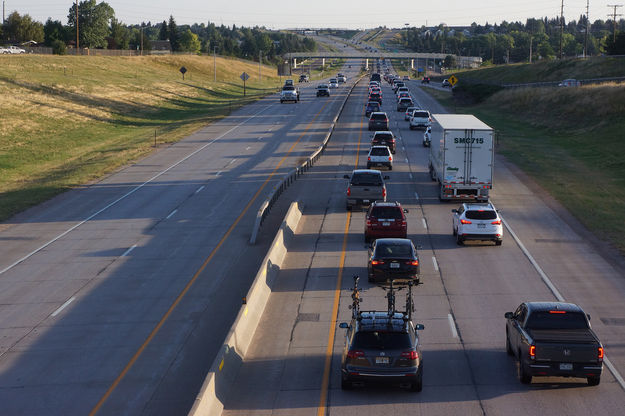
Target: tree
pixel 54 30
pixel 22 28
pixel 93 22
pixel 616 47
pixel 120 36
pixel 449 62
pixel 163 33
pixel 174 36
pixel 190 42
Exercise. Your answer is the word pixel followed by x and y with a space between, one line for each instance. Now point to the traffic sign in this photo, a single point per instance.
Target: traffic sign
pixel 453 80
pixel 244 76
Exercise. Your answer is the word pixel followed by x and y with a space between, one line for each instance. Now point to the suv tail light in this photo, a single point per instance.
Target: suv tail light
pixel 404 223
pixel 369 158
pixel 383 192
pixel 496 222
pixel 349 190
pixel 533 352
pixel 355 354
pixel 376 262
pixel 413 263
pixel 390 158
pixel 600 353
pixel 410 355
pixel 465 222
pixel 368 223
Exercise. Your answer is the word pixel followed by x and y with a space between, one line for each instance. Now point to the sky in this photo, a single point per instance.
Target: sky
pixel 350 14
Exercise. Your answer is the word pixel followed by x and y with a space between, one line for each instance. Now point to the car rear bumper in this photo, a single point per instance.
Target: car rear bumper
pixel 481 237
pixel 375 375
pixel 362 201
pixel 551 369
pixel 383 232
pixel 382 275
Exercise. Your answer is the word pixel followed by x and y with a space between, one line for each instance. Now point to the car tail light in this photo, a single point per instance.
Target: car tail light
pixel 496 222
pixel 533 352
pixel 369 158
pixel 390 158
pixel 600 353
pixel 349 190
pixel 404 223
pixel 355 354
pixel 413 262
pixel 376 262
pixel 410 355
pixel 560 312
pixel 368 223
pixel 383 192
pixel 465 222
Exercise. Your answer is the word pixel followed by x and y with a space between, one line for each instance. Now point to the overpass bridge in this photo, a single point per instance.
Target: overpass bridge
pixel 461 61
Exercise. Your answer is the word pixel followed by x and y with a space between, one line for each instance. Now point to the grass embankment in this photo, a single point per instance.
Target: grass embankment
pixel 569 140
pixel 67 120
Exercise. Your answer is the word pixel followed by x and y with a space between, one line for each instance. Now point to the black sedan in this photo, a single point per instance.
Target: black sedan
pixel 393 258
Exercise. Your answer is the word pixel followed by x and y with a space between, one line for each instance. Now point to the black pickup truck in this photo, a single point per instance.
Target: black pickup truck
pixel 553 339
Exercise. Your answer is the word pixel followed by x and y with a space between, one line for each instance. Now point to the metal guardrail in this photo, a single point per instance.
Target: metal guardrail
pixel 292 176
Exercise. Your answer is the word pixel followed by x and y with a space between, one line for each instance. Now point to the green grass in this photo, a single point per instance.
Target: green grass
pixel 65 121
pixel 570 141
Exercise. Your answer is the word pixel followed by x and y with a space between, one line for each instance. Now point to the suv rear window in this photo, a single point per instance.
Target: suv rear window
pixel 547 320
pixel 367 179
pixel 379 340
pixel 422 114
pixel 386 212
pixel 480 214
pixel 392 250
pixel 383 136
pixel 405 100
pixel 378 116
pixel 379 151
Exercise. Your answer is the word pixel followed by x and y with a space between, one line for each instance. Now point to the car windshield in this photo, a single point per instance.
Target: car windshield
pixel 380 340
pixel 557 320
pixel 386 212
pixel 367 179
pixel 393 250
pixel 422 114
pixel 379 151
pixel 474 214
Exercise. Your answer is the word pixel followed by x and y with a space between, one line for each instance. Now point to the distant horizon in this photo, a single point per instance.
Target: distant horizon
pixel 350 15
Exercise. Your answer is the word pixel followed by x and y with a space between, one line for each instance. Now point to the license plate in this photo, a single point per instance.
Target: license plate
pixel 394 265
pixel 566 366
pixel 381 360
pixel 386 224
pixel 481 226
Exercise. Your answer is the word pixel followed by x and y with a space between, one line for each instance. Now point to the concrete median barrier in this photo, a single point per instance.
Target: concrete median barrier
pixel 225 367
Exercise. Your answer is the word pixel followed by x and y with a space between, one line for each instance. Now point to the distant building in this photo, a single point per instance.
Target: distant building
pixel 160 46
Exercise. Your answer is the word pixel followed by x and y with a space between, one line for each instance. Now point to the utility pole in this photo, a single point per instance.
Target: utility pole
pixel 531 41
pixel 561 26
pixel 587 28
pixel 77 38
pixel 141 38
pixel 614 15
pixel 260 59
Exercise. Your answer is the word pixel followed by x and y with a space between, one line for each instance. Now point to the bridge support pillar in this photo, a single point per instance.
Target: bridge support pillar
pixel 323 63
pixel 367 64
pixel 295 63
pixel 412 64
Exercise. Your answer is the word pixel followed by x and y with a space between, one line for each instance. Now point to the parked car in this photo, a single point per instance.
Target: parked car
pixel 553 339
pixel 420 119
pixel 380 156
pixel 385 220
pixel 404 103
pixel 384 138
pixel 323 90
pixel 381 348
pixel 378 120
pixel 13 50
pixel 365 186
pixel 477 221
pixel 393 258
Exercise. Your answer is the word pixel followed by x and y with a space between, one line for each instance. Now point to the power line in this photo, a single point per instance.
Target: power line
pixel 614 15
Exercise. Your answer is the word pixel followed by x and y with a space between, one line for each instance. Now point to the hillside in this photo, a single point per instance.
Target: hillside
pixel 66 120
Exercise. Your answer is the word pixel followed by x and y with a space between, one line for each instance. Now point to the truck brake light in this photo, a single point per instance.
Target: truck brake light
pixel 383 192
pixel 349 190
pixel 532 351
pixel 600 353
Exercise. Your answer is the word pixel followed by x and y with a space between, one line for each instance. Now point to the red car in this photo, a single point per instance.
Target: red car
pixel 385 220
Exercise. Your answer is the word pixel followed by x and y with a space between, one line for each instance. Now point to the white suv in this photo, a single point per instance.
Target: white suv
pixel 380 155
pixel 477 222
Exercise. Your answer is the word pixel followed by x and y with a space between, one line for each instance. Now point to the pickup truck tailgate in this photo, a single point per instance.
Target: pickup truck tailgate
pixel 565 345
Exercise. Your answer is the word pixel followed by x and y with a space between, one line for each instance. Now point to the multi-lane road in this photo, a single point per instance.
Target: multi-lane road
pixel 115 297
pixel 293 367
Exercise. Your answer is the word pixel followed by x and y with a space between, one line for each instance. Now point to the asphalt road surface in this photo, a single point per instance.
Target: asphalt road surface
pixel 115 297
pixel 293 365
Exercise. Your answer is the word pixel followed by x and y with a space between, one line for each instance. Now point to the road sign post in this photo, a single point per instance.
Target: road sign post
pixel 244 76
pixel 453 80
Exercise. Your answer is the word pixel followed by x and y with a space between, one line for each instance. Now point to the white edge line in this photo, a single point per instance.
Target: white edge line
pixel 452 325
pixel 425 224
pixel 129 250
pixel 63 306
pixel 435 263
pixel 171 214
pixel 132 191
pixel 558 296
pixel 199 189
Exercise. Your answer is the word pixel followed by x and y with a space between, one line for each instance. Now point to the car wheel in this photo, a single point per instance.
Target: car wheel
pixel 417 385
pixel 498 242
pixel 370 277
pixel 524 378
pixel 459 240
pixel 508 346
pixel 594 381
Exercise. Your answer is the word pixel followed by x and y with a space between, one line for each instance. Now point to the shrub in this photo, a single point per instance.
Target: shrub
pixel 58 47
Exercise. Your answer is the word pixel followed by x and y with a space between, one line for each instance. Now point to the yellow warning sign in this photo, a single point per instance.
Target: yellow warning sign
pixel 453 80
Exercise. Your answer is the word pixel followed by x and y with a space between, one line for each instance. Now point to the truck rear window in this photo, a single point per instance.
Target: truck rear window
pixel 481 215
pixel 548 320
pixel 377 340
pixel 366 179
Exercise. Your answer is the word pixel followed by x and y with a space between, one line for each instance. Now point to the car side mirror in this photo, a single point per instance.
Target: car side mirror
pixel 346 176
pixel 405 210
pixel 455 211
pixel 509 315
pixel 419 327
pixel 387 177
pixel 588 316
pixel 343 325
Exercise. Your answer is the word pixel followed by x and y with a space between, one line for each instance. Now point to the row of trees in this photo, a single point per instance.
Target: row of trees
pixel 512 42
pixel 98 28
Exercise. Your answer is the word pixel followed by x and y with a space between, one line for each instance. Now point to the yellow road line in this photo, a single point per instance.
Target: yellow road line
pixel 325 383
pixel 184 291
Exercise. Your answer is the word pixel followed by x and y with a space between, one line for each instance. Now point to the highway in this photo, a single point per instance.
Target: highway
pixel 293 365
pixel 116 296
